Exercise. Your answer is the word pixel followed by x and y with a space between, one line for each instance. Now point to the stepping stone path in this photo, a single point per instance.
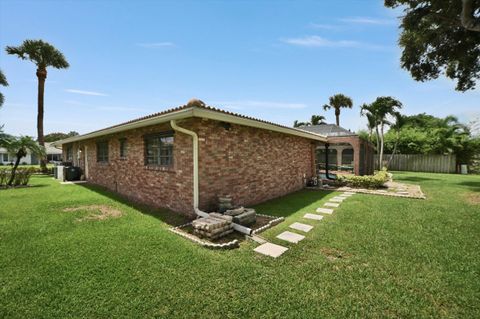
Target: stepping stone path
pixel 325 210
pixel 301 227
pixel 271 250
pixel 291 237
pixel 313 216
pixel 276 251
pixel 328 204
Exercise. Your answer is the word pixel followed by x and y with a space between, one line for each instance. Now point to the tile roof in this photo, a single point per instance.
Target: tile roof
pixel 328 130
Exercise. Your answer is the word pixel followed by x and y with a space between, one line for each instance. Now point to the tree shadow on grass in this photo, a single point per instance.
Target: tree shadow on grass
pixel 414 178
pixel 474 186
pixel 289 204
pixel 167 216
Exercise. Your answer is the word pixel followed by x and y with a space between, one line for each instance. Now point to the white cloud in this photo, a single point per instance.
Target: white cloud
pixel 85 92
pixel 325 26
pixel 156 44
pixel 317 41
pixel 243 104
pixel 368 20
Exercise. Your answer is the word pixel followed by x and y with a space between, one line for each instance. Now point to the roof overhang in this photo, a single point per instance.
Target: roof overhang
pixel 194 112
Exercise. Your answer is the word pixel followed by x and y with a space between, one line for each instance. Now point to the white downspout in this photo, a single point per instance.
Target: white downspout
pixel 194 136
pixel 200 213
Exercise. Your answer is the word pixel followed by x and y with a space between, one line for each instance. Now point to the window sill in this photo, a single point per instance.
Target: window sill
pixel 168 169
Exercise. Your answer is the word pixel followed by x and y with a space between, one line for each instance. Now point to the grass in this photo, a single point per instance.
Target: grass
pixel 375 257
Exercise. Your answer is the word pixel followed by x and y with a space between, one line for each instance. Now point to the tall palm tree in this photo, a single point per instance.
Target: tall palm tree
pixel 380 110
pixel 20 147
pixel 43 55
pixel 317 119
pixel 337 102
pixel 3 82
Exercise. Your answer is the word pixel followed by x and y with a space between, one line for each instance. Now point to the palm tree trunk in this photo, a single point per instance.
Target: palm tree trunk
pixel 14 169
pixel 42 75
pixel 377 140
pixel 337 116
pixel 380 160
pixel 394 150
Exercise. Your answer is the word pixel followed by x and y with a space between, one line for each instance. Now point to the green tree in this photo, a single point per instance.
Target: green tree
pixel 440 37
pixel 3 82
pixel 19 147
pixel 380 110
pixel 296 123
pixel 337 102
pixel 52 137
pixel 317 119
pixel 43 55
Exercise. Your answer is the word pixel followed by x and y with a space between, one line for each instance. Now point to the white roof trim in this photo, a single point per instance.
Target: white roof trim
pixel 195 112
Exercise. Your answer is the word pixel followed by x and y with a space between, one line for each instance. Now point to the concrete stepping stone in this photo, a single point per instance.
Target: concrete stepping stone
pixel 348 193
pixel 293 238
pixel 336 200
pixel 271 250
pixel 313 216
pixel 328 204
pixel 325 210
pixel 301 227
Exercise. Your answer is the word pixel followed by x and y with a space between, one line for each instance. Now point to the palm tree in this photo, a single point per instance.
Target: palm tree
pixel 43 55
pixel 300 124
pixel 400 122
pixel 317 119
pixel 20 147
pixel 380 110
pixel 337 102
pixel 3 81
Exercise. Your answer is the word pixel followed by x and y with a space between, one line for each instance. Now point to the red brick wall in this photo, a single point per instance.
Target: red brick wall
pixel 252 165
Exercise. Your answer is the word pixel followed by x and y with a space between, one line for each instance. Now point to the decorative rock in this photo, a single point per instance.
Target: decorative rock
pixel 328 204
pixel 291 237
pixel 325 210
pixel 271 250
pixel 313 216
pixel 301 227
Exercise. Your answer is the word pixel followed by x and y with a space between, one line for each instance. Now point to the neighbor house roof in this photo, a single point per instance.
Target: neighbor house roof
pixel 195 108
pixel 328 130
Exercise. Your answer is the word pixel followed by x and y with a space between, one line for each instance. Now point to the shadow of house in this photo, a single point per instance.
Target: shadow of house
pixel 162 214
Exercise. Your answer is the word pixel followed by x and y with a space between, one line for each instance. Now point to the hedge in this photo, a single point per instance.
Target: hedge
pixel 368 181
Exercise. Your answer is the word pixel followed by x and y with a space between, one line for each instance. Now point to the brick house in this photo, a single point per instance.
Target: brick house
pixel 188 156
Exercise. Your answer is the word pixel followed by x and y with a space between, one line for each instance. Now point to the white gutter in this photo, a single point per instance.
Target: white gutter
pixel 194 136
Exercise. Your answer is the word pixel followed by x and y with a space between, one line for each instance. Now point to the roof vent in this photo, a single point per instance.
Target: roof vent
pixel 195 102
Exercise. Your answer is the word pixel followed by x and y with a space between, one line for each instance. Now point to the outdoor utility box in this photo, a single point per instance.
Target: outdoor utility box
pixel 72 173
pixel 59 172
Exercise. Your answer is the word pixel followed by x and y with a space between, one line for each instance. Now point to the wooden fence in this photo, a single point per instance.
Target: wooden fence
pixel 421 163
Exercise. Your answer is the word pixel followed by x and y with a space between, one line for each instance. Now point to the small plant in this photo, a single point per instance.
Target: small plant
pixel 371 181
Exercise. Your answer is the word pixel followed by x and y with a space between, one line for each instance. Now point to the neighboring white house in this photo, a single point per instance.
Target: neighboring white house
pixel 53 154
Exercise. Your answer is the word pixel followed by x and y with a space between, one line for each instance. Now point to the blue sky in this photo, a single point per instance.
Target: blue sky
pixel 276 60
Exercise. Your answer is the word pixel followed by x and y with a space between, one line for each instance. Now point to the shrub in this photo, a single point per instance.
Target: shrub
pixel 22 176
pixel 370 181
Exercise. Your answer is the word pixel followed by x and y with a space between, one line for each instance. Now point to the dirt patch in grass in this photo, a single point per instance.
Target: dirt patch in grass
pixel 97 212
pixel 473 198
pixel 333 254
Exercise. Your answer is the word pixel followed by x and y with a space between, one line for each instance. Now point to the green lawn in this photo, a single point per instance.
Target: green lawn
pixel 375 257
